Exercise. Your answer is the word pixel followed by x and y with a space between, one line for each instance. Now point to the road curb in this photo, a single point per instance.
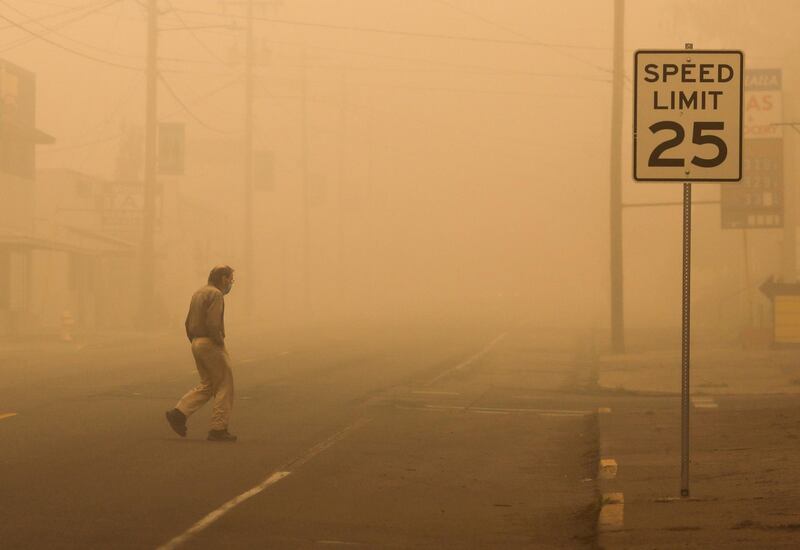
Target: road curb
pixel 611 516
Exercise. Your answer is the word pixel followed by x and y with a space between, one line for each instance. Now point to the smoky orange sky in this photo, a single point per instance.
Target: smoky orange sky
pixel 455 153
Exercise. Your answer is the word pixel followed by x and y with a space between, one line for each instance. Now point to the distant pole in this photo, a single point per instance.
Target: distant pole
pixel 747 288
pixel 304 166
pixel 147 258
pixel 249 283
pixel 617 304
pixel 341 183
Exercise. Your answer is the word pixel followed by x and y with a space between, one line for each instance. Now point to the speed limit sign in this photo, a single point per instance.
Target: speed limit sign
pixel 687 121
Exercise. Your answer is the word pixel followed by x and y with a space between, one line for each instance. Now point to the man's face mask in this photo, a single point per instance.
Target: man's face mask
pixel 228 287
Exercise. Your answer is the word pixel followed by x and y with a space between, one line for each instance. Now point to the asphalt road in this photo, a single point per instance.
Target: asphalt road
pixel 432 436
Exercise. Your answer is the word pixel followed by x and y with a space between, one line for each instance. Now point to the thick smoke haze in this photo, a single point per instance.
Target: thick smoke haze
pixel 420 158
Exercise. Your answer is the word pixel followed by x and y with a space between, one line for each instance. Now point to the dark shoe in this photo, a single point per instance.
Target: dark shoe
pixel 177 421
pixel 221 435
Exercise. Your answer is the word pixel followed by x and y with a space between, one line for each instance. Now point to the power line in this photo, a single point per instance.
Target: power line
pixel 220 61
pixel 188 111
pixel 467 68
pixel 43 17
pixel 50 30
pixel 54 30
pixel 521 35
pixel 202 44
pixel 105 139
pixel 68 49
pixel 414 34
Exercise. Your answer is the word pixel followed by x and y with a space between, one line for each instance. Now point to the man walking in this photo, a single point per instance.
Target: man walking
pixel 205 328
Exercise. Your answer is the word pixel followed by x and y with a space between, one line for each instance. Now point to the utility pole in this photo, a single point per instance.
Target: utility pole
pixel 789 238
pixel 304 166
pixel 249 284
pixel 147 252
pixel 617 304
pixel 340 190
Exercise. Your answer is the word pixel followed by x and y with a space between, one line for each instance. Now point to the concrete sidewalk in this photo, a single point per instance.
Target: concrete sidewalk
pixel 745 440
pixel 714 371
pixel 52 343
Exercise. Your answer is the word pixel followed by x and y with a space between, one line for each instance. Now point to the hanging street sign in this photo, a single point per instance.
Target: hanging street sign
pixel 687 122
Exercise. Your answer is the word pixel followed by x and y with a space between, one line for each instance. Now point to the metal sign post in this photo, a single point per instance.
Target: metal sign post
pixel 686 335
pixel 687 127
pixel 686 332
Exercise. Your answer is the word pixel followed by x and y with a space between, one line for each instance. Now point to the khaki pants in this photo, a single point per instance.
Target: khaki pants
pixel 216 380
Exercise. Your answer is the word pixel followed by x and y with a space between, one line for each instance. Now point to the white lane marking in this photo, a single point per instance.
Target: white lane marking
pixel 270 480
pixel 324 445
pixel 469 360
pixel 701 402
pixel 436 392
pixel 3 416
pixel 249 360
pixel 543 412
pixel 222 510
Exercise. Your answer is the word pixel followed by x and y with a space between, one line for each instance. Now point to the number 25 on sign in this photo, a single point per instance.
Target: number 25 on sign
pixel 687 120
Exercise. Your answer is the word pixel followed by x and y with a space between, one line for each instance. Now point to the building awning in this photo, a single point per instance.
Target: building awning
pixel 27 133
pixel 85 246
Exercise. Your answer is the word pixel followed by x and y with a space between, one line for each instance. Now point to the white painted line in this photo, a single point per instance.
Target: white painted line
pixel 554 412
pixel 436 392
pixel 281 354
pixel 604 410
pixel 222 510
pixel 543 412
pixel 3 416
pixel 469 360
pixel 270 480
pixel 324 445
pixel 245 361
pixel 703 402
pixel 446 407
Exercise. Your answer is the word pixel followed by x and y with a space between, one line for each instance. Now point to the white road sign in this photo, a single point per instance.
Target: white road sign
pixel 687 121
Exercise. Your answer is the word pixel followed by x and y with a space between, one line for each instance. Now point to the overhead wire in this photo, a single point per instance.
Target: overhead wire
pixel 68 49
pixel 118 135
pixel 194 36
pixel 457 67
pixel 55 30
pixel 416 34
pixel 554 47
pixel 42 35
pixel 188 110
pixel 218 60
pixel 57 26
pixel 43 17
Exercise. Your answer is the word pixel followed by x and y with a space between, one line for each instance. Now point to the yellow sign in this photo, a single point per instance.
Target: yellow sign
pixel 787 319
pixel 687 122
